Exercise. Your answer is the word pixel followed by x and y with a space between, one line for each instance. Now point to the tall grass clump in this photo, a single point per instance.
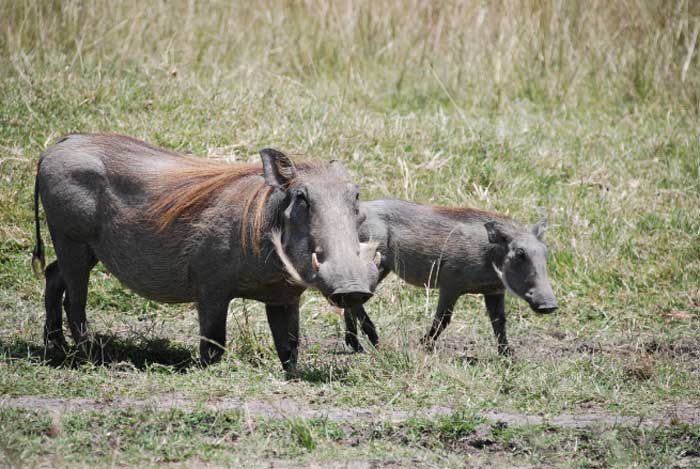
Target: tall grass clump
pixel 397 52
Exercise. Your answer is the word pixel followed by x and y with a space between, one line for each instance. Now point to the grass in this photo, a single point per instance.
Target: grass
pixel 586 115
pixel 131 437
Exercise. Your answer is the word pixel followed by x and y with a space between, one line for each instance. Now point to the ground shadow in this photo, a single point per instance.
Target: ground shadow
pixel 104 350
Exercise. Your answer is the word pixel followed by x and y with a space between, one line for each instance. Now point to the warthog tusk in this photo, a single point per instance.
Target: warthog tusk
pixel 377 258
pixel 368 250
pixel 499 274
pixel 276 238
pixel 502 278
pixel 314 262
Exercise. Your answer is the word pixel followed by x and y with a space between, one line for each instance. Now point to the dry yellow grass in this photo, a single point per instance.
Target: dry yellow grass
pixel 560 50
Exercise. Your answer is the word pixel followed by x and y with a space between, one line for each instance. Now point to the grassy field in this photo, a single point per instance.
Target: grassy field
pixel 586 112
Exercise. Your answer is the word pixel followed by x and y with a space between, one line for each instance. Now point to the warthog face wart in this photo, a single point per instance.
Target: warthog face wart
pixel 524 268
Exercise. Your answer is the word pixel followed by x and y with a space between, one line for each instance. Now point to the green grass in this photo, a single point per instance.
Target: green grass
pixel 586 115
pixel 151 437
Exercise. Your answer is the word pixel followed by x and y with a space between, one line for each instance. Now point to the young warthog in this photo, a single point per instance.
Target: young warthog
pixel 176 229
pixel 458 250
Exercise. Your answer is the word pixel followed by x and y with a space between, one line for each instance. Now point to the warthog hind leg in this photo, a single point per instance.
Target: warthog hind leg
pixel 53 295
pixel 75 261
pixel 442 318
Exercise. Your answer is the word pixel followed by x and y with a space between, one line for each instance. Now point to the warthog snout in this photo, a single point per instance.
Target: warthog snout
pixel 348 297
pixel 542 303
pixel 546 309
pixel 350 282
pixel 346 285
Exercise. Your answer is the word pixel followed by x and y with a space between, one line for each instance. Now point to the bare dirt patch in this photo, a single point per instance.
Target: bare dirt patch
pixel 680 413
pixel 687 346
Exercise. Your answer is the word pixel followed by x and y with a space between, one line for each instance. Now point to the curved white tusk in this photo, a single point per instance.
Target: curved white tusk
pixel 502 278
pixel 378 258
pixel 368 250
pixel 499 274
pixel 276 238
pixel 314 262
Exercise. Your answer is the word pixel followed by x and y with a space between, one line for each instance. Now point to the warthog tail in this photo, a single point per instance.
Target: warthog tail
pixel 38 260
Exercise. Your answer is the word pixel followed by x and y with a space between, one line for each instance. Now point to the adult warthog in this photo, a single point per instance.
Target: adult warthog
pixel 178 229
pixel 458 251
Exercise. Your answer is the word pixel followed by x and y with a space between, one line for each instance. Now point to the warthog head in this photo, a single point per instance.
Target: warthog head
pixel 524 268
pixel 317 240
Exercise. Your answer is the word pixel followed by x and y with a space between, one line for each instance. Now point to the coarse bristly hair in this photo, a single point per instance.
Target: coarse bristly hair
pixel 468 213
pixel 188 190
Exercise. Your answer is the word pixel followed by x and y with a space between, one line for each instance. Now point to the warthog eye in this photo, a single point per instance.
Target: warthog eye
pixel 301 196
pixel 520 252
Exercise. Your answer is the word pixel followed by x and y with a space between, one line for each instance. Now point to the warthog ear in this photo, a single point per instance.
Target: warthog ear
pixel 496 233
pixel 539 228
pixel 339 167
pixel 278 169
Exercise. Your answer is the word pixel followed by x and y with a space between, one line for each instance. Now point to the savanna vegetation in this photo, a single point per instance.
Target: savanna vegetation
pixel 586 112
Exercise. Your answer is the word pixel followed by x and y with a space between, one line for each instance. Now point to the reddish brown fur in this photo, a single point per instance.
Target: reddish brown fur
pixel 467 213
pixel 186 190
pixel 189 190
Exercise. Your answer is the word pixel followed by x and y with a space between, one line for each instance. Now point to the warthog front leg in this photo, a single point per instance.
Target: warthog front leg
pixel 284 324
pixel 495 305
pixel 352 315
pixel 351 338
pixel 212 328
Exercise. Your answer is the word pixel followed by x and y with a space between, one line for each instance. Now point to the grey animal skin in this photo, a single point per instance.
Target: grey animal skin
pixel 457 251
pixel 99 193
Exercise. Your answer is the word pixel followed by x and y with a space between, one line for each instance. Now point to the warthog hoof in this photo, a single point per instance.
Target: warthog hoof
pixel 428 343
pixel 352 341
pixel 55 339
